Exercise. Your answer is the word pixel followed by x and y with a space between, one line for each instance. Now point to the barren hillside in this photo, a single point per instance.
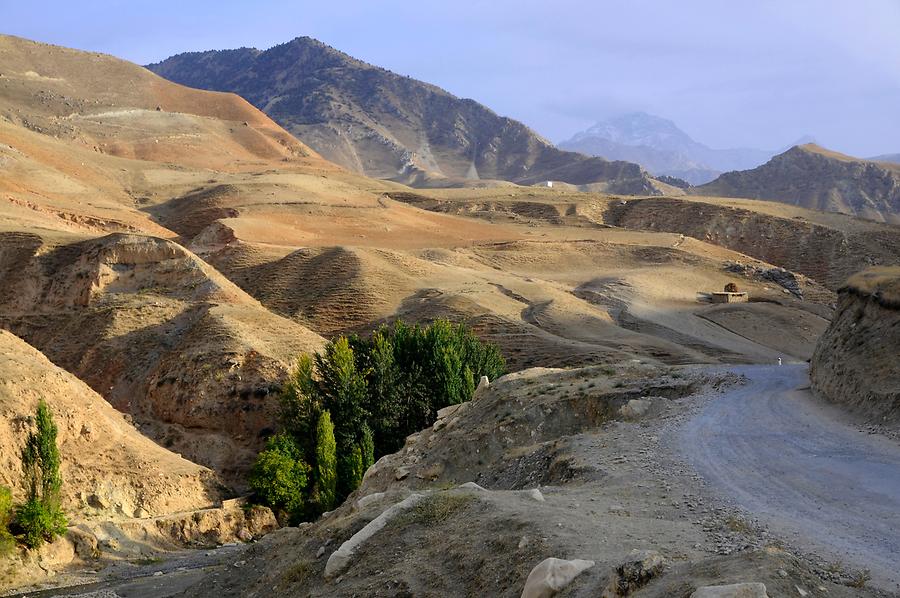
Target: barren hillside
pixel 813 177
pixel 159 334
pixel 110 469
pixel 384 125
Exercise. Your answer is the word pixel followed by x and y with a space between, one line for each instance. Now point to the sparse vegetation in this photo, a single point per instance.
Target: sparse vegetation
pixel 437 508
pixel 738 525
pixel 41 518
pixel 358 400
pixel 860 579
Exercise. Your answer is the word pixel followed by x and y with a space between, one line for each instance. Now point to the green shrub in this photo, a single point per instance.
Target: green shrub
pixel 279 476
pixel 350 470
pixel 326 463
pixel 7 542
pixel 41 517
pixel 38 522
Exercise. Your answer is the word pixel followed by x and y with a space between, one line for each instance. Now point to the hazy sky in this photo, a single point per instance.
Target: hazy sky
pixel 757 73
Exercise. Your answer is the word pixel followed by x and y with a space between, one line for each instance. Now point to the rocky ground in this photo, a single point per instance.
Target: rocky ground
pixel 571 464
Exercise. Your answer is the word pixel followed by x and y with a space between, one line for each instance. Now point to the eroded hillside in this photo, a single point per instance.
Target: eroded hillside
pixel 175 250
pixel 384 125
pixel 855 363
pixel 813 177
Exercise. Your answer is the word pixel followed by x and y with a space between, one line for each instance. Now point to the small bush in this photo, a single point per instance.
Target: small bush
pixel 860 579
pixel 279 476
pixel 437 508
pixel 38 522
pixel 7 542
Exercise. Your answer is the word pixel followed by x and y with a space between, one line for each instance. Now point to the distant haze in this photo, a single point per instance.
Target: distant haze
pixel 758 73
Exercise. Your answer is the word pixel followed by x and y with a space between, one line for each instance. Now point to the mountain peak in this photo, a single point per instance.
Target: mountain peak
pixel 639 128
pixel 658 145
pixel 385 125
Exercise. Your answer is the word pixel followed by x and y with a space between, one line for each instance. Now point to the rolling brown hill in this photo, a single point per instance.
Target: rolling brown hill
pixel 161 335
pixel 384 125
pixel 813 177
pixel 175 262
pixel 110 468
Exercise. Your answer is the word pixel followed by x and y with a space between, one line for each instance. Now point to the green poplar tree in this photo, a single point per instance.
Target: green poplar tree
pixel 41 518
pixel 326 463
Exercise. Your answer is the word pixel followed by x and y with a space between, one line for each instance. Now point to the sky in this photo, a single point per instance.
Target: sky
pixel 731 73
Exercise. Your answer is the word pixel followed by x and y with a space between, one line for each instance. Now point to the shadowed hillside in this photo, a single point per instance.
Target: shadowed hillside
pixel 388 126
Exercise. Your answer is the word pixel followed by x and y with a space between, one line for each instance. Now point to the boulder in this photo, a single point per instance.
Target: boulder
pixel 369 499
pixel 471 486
pixel 635 408
pixel 56 555
pixel 535 494
pixel 552 575
pixel 340 558
pixel 85 543
pixel 634 572
pixel 737 590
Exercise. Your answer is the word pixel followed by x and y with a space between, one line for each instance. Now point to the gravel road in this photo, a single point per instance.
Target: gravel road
pixel 803 470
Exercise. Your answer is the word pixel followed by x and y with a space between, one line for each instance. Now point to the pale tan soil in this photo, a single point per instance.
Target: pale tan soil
pixel 112 474
pixel 110 469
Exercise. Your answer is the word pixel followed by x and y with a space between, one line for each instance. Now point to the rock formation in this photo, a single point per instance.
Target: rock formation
pixel 856 361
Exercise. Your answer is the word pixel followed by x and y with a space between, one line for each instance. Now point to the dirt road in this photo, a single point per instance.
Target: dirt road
pixel 770 448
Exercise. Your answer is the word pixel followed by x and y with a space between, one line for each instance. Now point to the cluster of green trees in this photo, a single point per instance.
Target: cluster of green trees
pixel 40 518
pixel 359 400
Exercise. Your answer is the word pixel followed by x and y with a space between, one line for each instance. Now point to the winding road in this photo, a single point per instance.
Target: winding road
pixel 772 449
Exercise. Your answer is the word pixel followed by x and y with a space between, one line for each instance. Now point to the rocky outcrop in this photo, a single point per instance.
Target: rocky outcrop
pixel 385 125
pixel 855 362
pixel 828 254
pixel 813 177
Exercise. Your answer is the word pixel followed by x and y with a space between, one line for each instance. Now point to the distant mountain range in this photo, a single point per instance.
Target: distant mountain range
pixel 893 158
pixel 811 176
pixel 661 147
pixel 388 126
